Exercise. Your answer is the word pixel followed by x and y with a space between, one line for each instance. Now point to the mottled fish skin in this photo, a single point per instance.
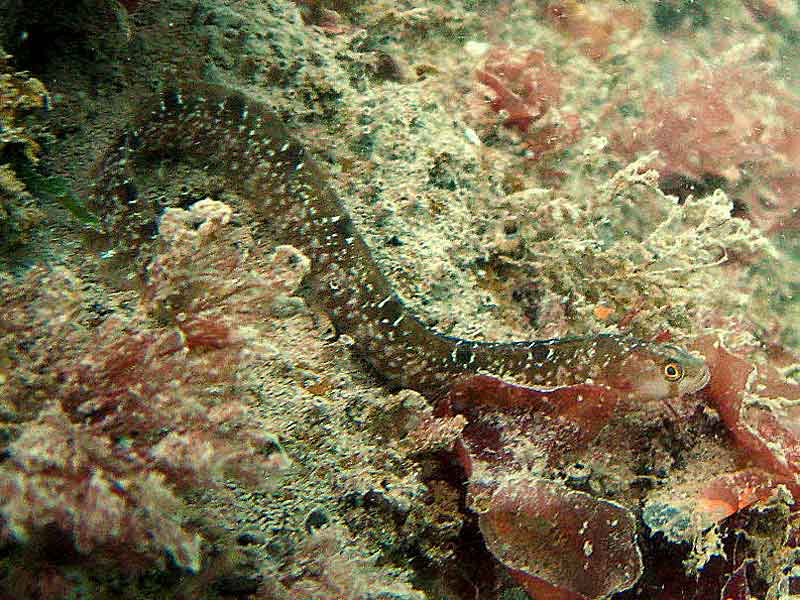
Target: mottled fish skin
pixel 248 145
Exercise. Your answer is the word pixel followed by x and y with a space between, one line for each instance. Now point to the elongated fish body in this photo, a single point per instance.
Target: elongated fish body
pixel 249 147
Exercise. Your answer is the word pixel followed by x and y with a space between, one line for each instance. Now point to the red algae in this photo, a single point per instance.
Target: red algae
pixel 524 86
pixel 139 414
pixel 526 519
pixel 756 406
pixel 526 91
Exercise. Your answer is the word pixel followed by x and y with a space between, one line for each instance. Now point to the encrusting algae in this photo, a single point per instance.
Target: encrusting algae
pixel 490 169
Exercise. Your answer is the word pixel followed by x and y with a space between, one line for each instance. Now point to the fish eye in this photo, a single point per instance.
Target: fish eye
pixel 673 371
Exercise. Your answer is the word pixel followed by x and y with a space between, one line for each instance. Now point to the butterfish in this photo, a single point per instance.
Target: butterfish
pixel 247 145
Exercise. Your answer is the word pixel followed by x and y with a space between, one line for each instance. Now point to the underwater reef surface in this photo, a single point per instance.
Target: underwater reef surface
pixel 178 416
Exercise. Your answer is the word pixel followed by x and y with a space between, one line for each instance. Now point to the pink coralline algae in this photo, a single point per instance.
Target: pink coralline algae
pixel 524 87
pixel 594 34
pixel 203 278
pixel 141 410
pixel 715 126
pixel 62 473
pixel 525 90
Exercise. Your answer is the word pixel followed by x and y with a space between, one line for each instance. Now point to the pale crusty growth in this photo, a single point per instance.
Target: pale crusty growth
pixel 246 144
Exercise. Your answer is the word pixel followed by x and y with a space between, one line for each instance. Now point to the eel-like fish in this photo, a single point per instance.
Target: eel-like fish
pixel 248 146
